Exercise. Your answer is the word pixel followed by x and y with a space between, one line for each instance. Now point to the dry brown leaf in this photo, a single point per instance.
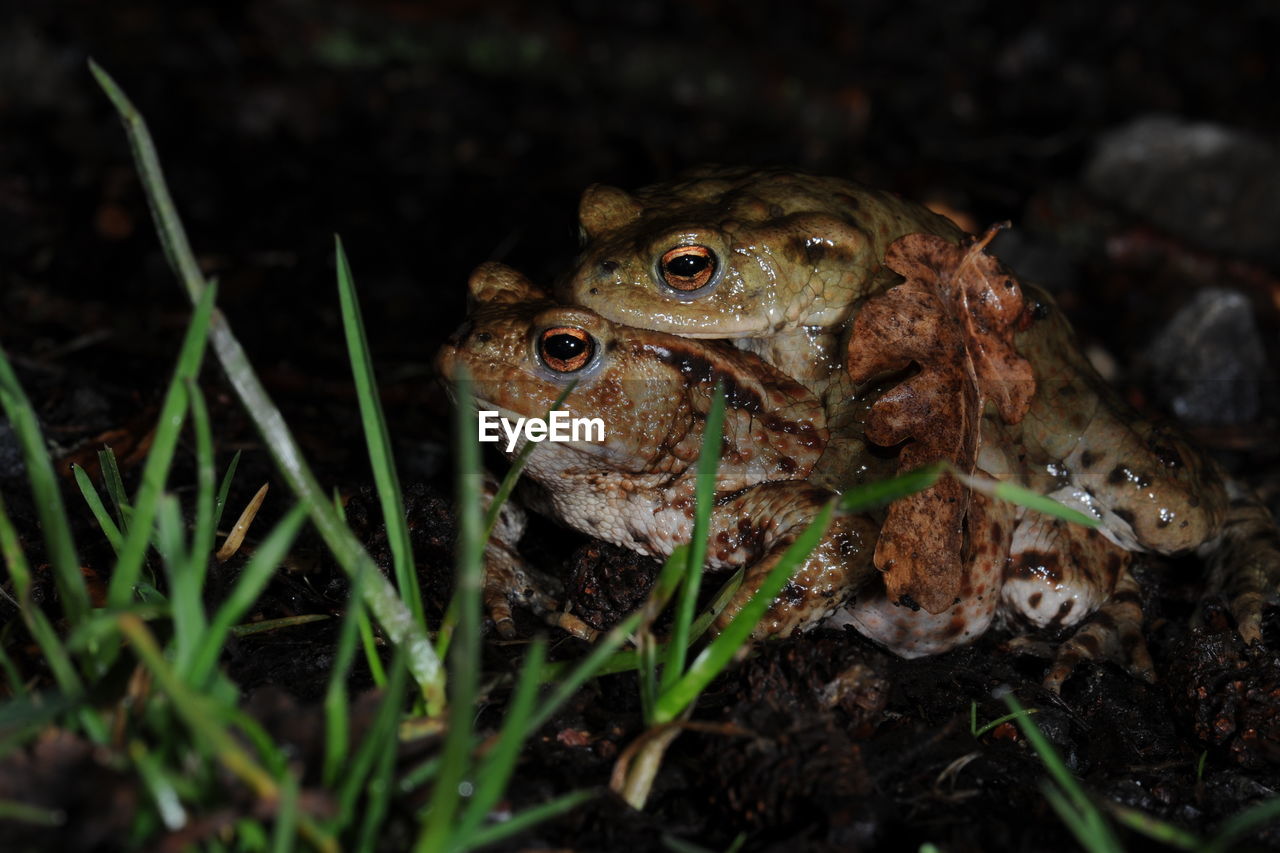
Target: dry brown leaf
pixel 954 318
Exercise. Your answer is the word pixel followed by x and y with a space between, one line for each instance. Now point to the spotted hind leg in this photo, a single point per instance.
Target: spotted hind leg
pixel 1061 575
pixel 1244 561
pixel 1113 633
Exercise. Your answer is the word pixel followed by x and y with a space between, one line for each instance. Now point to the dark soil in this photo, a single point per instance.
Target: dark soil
pixel 433 137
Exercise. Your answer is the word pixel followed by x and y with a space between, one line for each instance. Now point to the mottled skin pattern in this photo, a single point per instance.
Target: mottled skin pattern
pixel 636 488
pixel 795 257
pixel 794 254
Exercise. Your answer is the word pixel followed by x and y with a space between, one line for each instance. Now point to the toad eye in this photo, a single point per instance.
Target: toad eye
pixel 687 268
pixel 565 349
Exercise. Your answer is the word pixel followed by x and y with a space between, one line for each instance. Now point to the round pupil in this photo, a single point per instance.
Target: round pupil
pixel 687 266
pixel 564 347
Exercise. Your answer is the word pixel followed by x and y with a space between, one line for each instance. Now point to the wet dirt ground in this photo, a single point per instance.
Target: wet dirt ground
pixel 433 137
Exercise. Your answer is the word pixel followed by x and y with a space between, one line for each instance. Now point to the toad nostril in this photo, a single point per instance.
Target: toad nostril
pixel 483 337
pixel 595 291
pixel 608 266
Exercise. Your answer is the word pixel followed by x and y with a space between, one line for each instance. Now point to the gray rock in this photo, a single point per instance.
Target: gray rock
pixel 1208 363
pixel 1215 186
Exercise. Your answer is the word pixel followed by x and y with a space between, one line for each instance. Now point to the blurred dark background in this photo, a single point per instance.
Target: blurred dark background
pixel 433 136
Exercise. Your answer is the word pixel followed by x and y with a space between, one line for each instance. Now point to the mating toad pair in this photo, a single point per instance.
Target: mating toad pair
pixel 847 350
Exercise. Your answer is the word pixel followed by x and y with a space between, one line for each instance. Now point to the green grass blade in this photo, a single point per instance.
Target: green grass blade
pixel 94 500
pixel 495 771
pixel 55 654
pixel 12 677
pixel 336 718
pixel 284 834
pixel 19 812
pixel 1242 824
pixel 224 488
pixel 248 629
pixel 1022 496
pixel 705 492
pixel 203 530
pixel 380 738
pixel 177 250
pixel 381 785
pixel 46 494
pixel 253 579
pixel 165 441
pixel 163 794
pixel 464 654
pixel 380 597
pixel 872 495
pixel 716 656
pixel 377 439
pixel 115 486
pixel 184 593
pixel 197 711
pixel 1157 830
pixel 1091 827
pixel 585 669
pixel 23 715
pixel 528 818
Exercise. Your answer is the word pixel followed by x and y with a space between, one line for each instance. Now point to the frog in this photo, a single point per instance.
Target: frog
pixel 635 487
pixel 780 263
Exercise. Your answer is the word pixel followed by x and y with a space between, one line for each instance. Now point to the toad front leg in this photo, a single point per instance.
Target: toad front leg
pixel 756 527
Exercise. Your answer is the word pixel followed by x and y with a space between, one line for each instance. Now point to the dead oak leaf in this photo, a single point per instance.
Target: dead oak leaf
pixel 953 318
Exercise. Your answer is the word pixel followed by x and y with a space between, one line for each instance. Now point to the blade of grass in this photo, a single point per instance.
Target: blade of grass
pixel 155 472
pixel 284 833
pixel 716 656
pixel 203 531
pixel 1157 830
pixel 33 815
pixel 200 715
pixel 495 771
pixel 464 654
pixel 248 629
pixel 377 439
pixel 528 818
pixel 445 635
pixel 380 597
pixel 1097 834
pixel 585 669
pixel 221 503
pixel 197 711
pixel 94 500
pixel 380 738
pixel 46 495
pixel 1022 496
pixel 872 495
pixel 370 645
pixel 336 718
pixel 1242 824
pixel 253 579
pixel 55 654
pixel 115 486
pixel 704 491
pixel 184 593
pixel 168 804
pixel 381 785
pixel 24 715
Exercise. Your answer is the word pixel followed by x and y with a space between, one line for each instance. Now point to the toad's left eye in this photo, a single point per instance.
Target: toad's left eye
pixel 565 349
pixel 687 268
